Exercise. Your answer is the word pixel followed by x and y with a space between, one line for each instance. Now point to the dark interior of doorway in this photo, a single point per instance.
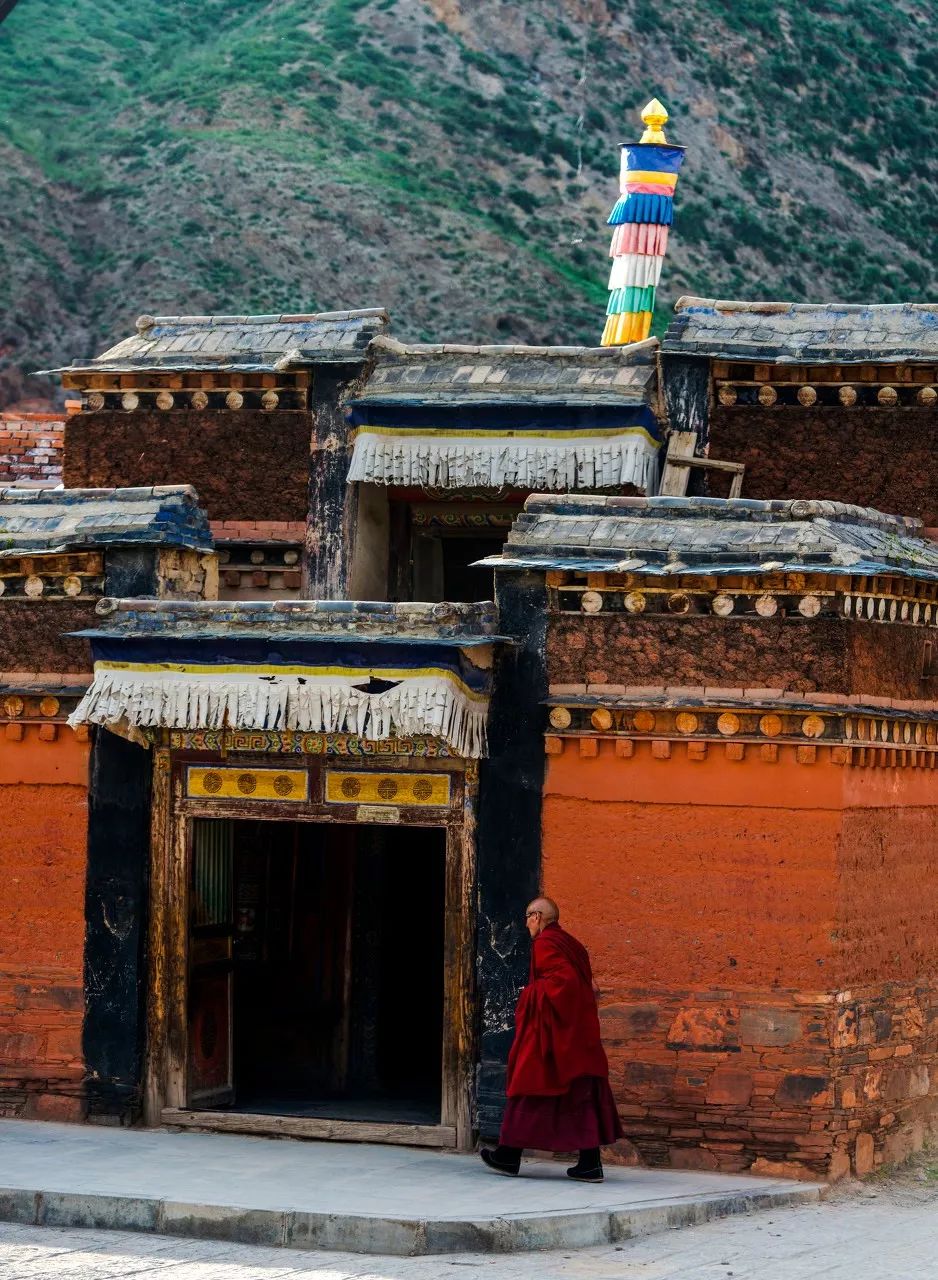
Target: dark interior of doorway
pixel 438 562
pixel 444 568
pixel 337 985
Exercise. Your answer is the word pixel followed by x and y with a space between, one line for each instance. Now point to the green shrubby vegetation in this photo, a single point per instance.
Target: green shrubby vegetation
pixel 226 150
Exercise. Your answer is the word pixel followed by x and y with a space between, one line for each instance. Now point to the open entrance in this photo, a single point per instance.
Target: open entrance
pixel 444 567
pixel 316 962
pixel 434 547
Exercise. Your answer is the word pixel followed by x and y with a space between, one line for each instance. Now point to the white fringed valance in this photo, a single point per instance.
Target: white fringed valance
pixel 438 705
pixel 544 464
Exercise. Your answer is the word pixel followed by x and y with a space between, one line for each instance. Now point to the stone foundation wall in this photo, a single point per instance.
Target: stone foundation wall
pixel 797 1084
pixel 725 1080
pixel 886 1042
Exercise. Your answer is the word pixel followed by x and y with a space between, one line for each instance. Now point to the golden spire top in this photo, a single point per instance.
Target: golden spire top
pixel 654 117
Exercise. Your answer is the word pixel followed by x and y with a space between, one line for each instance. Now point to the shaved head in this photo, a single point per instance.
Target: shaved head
pixel 541 913
pixel 550 912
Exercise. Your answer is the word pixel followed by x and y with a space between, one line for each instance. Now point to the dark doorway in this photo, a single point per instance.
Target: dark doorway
pixel 444 566
pixel 462 578
pixel 433 546
pixel 336 962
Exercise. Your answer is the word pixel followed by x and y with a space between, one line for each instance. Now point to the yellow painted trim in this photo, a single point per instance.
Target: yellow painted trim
pixel 424 790
pixel 212 783
pixel 441 433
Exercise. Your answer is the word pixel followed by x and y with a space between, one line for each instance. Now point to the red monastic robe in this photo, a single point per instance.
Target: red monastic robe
pixel 556 1022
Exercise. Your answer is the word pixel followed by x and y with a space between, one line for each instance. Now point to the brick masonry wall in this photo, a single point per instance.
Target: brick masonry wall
pixel 886 1042
pixel 832 655
pixel 244 466
pixel 724 1080
pixel 31 449
pixel 43 826
pixel 880 458
pixel 289 531
pixel 767 968
pixel 789 1082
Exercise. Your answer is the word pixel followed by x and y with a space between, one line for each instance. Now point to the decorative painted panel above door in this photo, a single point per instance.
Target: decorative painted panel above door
pixel 247 784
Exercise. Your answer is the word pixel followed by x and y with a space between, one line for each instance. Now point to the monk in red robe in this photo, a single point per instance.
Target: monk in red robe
pixel 558 1076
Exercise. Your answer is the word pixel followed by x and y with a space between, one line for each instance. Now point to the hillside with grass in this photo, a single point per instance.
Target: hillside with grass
pixel 453 160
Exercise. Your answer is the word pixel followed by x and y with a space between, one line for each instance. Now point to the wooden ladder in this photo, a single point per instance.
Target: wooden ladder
pixel 681 457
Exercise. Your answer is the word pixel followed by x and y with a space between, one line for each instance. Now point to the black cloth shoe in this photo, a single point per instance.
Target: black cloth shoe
pixel 504 1160
pixel 589 1167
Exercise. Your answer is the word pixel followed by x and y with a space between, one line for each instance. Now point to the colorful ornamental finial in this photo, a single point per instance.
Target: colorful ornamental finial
pixel 640 219
pixel 654 118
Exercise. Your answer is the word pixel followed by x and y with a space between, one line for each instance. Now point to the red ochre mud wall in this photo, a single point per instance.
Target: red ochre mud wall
pixel 800 453
pixel 832 655
pixel 43 829
pixel 765 938
pixel 245 466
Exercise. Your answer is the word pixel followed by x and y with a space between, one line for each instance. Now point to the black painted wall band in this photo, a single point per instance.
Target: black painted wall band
pixel 509 830
pixel 116 914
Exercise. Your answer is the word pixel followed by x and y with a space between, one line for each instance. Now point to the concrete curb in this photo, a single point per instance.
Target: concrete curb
pixel 362 1233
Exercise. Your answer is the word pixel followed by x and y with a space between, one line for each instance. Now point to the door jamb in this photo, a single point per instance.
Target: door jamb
pixel 165 1072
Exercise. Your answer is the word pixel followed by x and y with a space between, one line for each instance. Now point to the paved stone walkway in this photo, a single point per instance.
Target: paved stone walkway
pixel 853 1236
pixel 321 1195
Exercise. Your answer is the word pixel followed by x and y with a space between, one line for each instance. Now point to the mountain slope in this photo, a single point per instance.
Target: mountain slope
pixel 453 160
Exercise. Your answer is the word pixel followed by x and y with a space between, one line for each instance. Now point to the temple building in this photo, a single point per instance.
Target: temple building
pixel 740 747
pixel 334 649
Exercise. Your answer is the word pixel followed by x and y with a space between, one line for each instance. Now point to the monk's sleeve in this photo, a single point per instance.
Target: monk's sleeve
pixel 555 995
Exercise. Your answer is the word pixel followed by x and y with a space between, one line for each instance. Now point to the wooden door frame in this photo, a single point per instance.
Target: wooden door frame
pixel 166 1057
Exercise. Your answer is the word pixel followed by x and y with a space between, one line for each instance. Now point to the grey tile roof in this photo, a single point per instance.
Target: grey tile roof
pixel 804 333
pixel 243 343
pixel 714 536
pixel 56 520
pixel 468 375
pixel 354 621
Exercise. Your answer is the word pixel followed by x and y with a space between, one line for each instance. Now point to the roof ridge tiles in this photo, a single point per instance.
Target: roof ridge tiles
pixel 122 494
pixel 467 624
pixel 804 332
pixel 53 520
pixel 246 343
pixel 755 510
pixel 440 610
pixel 773 307
pixel 385 344
pixel 145 322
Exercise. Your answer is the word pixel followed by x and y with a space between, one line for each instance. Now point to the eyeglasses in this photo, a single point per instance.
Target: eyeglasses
pixel 532 913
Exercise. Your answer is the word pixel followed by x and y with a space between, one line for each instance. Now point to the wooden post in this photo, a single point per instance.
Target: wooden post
pixel 332 501
pixel 177 952
pixel 157 972
pixel 459 966
pixel 680 459
pixel 686 381
pixel 674 478
pixel 509 846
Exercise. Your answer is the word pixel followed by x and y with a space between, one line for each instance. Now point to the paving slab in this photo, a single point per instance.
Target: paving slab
pixel 343 1196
